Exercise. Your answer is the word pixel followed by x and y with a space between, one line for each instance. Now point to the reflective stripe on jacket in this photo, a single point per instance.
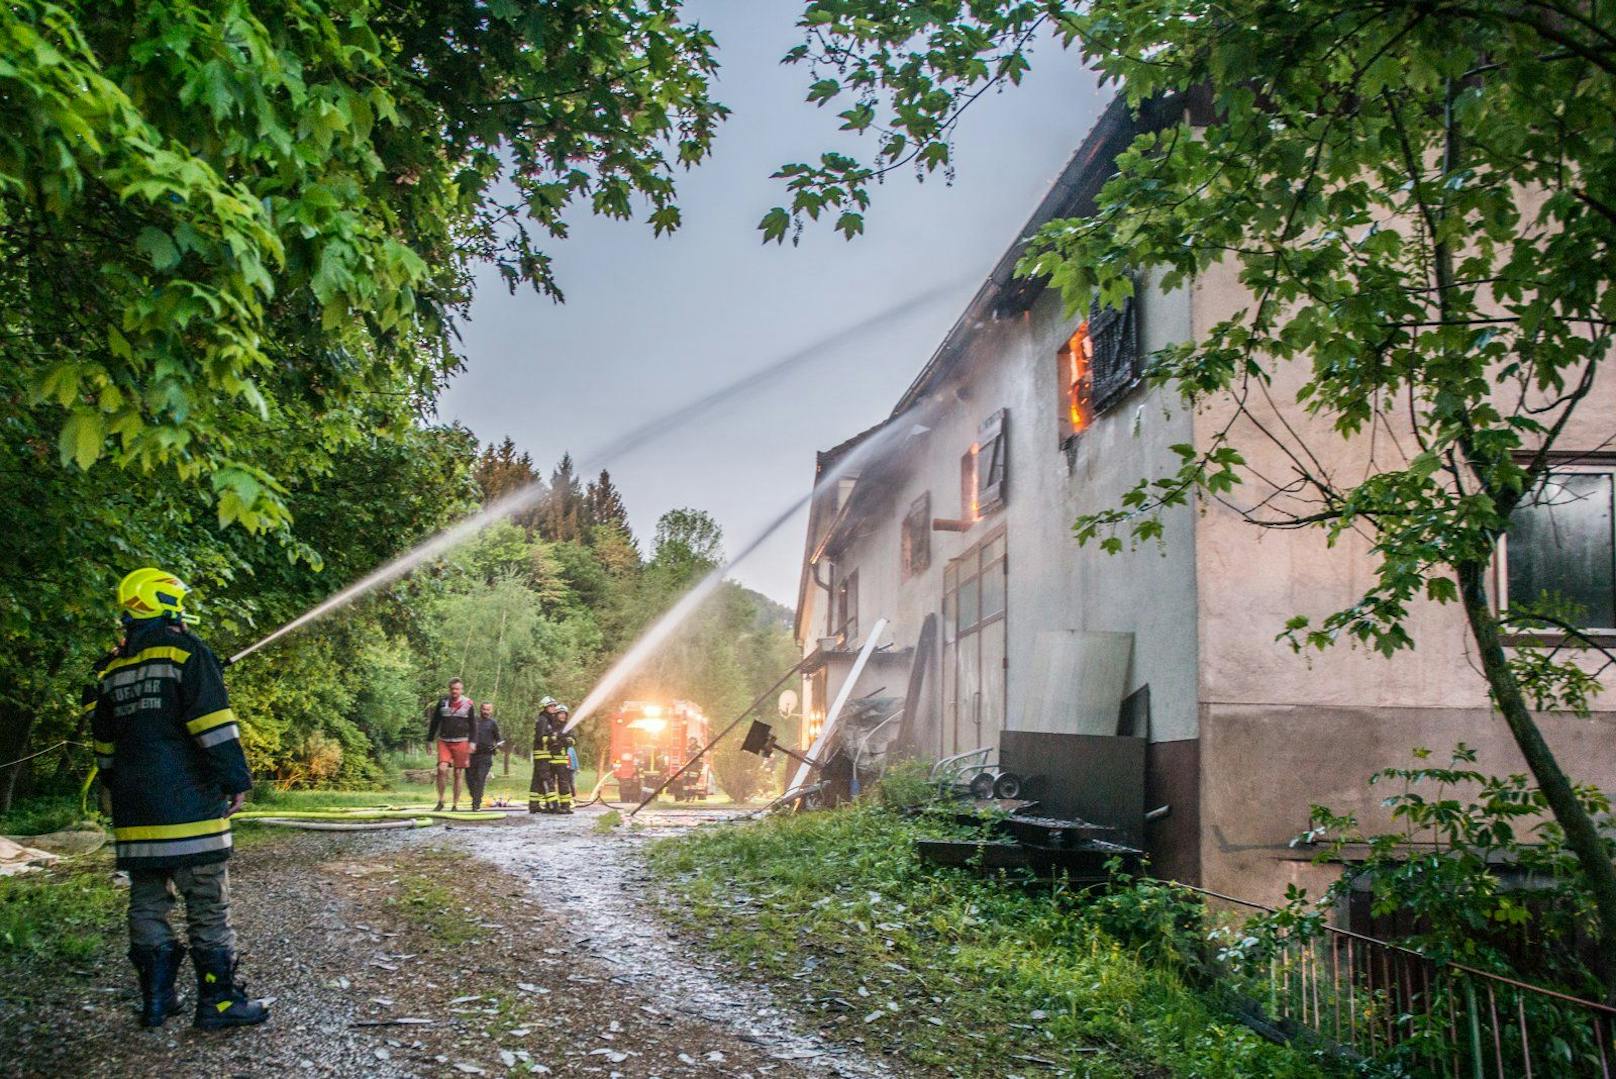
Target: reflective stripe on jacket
pixel 168 747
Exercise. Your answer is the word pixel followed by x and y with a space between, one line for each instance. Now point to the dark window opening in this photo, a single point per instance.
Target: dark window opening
pixel 847 608
pixel 1560 551
pixel 915 542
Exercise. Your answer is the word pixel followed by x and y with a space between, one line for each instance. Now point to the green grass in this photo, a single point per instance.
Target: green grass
pixel 60 915
pixel 45 813
pixel 955 971
pixel 513 787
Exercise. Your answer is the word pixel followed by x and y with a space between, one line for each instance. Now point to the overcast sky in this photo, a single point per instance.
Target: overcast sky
pixel 650 323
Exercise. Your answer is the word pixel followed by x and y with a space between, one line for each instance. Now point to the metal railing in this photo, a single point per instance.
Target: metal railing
pixel 1381 1000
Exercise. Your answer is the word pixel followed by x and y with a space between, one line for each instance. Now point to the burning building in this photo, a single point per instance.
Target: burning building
pixel 1154 675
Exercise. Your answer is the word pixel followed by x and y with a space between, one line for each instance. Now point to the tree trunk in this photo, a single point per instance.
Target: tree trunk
pixel 13 744
pixel 1582 836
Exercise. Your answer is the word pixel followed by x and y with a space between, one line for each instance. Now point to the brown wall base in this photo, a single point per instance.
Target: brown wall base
pixel 1173 779
pixel 1264 766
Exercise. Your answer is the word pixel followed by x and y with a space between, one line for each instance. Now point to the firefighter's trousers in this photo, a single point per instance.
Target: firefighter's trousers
pixel 541 793
pixel 563 785
pixel 206 889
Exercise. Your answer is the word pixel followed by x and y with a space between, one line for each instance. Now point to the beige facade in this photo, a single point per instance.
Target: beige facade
pixel 1032 632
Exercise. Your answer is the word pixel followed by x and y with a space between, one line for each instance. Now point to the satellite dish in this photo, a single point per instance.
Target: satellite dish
pixel 788 703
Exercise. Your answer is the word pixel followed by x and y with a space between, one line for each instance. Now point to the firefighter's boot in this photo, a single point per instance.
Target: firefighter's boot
pixel 159 968
pixel 221 1000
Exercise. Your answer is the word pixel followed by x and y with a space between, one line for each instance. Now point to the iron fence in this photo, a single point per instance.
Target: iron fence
pixel 1383 1001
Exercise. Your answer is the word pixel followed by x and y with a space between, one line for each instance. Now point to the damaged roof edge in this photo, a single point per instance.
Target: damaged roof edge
pixel 1073 194
pixel 823 460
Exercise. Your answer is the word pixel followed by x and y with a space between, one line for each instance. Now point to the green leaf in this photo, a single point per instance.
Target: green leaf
pixel 774 224
pixel 156 245
pixel 81 438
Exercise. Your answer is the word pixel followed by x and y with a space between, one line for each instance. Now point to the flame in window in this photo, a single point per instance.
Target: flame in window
pixel 1079 354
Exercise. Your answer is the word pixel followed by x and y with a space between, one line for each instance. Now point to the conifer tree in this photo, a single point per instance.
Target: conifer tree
pixel 606 505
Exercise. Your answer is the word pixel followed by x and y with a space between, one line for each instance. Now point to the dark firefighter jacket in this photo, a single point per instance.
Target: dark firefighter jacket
pixel 559 743
pixel 547 741
pixel 485 734
pixel 168 748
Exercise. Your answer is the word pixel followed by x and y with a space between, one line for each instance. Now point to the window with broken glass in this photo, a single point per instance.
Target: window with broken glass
pixel 1559 555
pixel 915 540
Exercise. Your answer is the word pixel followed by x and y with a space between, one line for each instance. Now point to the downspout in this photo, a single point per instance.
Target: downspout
pixel 830 594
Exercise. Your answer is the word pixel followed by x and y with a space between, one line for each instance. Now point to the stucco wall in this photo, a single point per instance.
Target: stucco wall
pixel 1053 585
pixel 1148 591
pixel 1281 731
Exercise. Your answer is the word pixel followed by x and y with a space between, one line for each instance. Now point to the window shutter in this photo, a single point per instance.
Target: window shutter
pixel 916 537
pixel 1116 365
pixel 992 462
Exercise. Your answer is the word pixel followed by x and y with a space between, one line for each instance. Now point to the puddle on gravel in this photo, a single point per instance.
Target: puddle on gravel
pixel 595 881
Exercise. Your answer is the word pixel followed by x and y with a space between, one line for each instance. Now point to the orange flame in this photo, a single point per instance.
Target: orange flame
pixel 1079 352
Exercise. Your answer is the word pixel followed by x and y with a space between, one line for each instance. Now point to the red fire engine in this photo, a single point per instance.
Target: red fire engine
pixel 651 741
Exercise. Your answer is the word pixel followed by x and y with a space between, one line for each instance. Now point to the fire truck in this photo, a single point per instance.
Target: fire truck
pixel 652 740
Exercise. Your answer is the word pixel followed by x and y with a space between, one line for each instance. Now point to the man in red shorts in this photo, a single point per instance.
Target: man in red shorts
pixel 451 723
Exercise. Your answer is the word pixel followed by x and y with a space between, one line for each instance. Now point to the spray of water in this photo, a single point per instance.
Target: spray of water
pixel 650 431
pixel 671 619
pixel 890 437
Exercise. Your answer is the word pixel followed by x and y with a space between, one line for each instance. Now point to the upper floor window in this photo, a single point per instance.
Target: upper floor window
pixel 915 540
pixel 1073 365
pixel 985 470
pixel 847 608
pixel 1097 366
pixel 992 462
pixel 1116 366
pixel 1560 551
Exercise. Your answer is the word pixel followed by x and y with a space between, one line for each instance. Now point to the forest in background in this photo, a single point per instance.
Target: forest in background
pixel 234 253
pixel 537 604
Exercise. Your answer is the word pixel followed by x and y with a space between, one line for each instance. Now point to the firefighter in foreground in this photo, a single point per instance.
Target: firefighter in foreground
pixel 561 743
pixel 541 796
pixel 173 770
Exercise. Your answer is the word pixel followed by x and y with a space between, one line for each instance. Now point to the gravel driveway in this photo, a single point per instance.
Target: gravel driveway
pixel 520 947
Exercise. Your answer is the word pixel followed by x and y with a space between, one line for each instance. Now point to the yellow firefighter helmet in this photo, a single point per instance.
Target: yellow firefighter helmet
pixel 151 593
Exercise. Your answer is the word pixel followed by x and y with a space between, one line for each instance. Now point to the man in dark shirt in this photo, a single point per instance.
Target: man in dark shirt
pixel 449 723
pixel 485 738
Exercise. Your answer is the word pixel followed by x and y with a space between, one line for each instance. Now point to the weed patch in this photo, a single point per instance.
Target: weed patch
pixel 951 970
pixel 428 900
pixel 62 915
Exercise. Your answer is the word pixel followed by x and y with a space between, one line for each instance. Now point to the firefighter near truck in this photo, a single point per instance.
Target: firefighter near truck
pixel 652 740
